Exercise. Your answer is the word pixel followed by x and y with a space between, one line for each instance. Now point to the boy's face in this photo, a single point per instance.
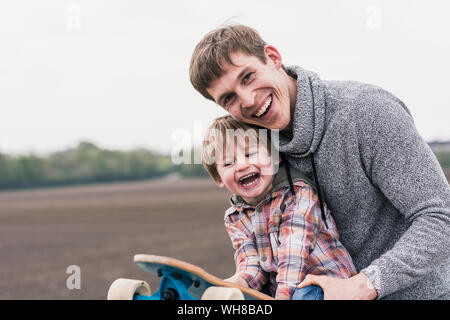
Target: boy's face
pixel 247 172
pixel 254 92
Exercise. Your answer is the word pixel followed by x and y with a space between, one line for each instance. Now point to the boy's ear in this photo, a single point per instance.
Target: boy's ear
pixel 220 183
pixel 273 54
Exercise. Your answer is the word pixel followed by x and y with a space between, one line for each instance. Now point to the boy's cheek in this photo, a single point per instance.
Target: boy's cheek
pixel 270 169
pixel 267 171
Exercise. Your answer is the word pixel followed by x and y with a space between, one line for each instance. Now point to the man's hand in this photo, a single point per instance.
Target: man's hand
pixel 358 287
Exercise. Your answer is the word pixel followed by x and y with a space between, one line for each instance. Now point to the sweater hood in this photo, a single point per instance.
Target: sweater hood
pixel 309 114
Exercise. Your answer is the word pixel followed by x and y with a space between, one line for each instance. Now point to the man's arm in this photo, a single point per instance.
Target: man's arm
pixel 403 167
pixel 408 174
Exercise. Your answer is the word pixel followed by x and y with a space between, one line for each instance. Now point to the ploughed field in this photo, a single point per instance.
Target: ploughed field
pixel 100 227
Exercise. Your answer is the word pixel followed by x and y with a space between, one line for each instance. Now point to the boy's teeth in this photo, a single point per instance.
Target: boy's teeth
pixel 264 107
pixel 250 183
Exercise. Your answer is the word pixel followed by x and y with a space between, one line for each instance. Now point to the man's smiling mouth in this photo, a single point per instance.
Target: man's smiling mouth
pixel 264 108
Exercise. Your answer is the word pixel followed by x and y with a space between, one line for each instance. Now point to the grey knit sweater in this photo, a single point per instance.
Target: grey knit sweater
pixel 384 186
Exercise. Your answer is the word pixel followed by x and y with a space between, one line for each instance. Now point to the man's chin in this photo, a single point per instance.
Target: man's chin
pixel 260 123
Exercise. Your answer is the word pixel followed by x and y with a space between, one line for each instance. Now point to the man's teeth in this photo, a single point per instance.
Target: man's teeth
pixel 264 107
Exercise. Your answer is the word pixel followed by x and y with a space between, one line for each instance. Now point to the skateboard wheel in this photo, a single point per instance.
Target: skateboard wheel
pixel 222 293
pixel 125 289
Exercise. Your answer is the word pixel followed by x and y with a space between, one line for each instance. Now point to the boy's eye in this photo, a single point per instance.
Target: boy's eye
pixel 250 154
pixel 228 163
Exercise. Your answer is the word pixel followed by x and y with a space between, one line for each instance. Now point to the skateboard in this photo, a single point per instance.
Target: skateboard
pixel 179 281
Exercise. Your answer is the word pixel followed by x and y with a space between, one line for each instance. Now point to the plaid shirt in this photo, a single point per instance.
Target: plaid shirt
pixel 282 239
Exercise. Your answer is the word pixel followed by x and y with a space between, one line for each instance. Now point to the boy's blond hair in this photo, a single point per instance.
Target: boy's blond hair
pixel 214 50
pixel 226 131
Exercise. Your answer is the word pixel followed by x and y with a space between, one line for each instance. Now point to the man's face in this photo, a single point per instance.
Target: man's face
pixel 254 92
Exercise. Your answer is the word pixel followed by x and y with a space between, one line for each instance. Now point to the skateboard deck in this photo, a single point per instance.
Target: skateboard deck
pixel 184 281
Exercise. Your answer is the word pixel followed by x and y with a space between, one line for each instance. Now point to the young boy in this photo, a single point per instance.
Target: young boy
pixel 275 221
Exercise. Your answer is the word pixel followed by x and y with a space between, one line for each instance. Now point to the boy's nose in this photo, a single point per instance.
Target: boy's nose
pixel 242 164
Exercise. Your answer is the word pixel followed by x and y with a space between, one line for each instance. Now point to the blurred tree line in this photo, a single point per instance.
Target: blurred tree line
pixel 444 160
pixel 87 163
pixel 442 151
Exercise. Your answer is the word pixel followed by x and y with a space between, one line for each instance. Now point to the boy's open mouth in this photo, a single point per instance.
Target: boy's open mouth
pixel 249 179
pixel 264 109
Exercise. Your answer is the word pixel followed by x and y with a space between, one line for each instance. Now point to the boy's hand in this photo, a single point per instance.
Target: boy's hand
pixel 237 280
pixel 358 287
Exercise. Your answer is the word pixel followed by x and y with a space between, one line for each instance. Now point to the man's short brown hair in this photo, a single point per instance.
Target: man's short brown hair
pixel 214 50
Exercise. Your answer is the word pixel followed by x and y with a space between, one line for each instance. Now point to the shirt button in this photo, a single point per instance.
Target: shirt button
pixel 263 258
pixel 258 209
pixel 260 232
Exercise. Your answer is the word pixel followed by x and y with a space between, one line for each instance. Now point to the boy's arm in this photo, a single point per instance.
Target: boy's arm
pixel 237 279
pixel 301 221
pixel 246 258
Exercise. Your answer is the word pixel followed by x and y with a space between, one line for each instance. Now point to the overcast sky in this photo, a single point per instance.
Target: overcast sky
pixel 115 72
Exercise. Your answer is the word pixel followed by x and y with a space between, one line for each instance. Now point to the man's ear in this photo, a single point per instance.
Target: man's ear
pixel 273 54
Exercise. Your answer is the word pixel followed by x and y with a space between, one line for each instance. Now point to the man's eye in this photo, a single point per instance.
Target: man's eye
pixel 227 99
pixel 248 76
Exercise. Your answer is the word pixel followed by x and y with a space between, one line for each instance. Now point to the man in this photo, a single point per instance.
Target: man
pixel 385 188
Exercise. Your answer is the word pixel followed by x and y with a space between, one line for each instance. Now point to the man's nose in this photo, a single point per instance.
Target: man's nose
pixel 246 98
